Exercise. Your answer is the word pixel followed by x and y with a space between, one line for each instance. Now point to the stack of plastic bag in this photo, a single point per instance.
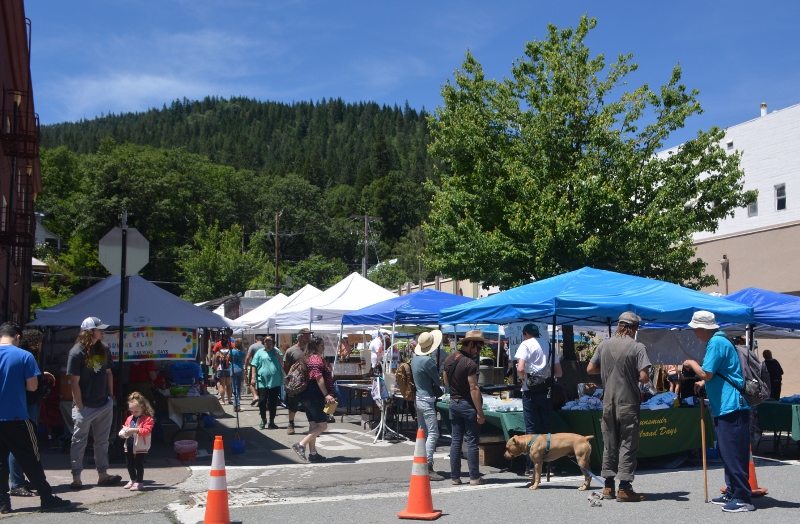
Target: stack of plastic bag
pixel 794 399
pixel 661 401
pixel 585 403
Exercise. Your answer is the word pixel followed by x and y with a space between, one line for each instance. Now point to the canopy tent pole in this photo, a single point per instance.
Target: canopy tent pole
pixel 608 320
pixel 336 355
pixel 551 356
pixel 383 428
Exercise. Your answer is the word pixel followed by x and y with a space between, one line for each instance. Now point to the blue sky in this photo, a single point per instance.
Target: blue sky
pixel 98 56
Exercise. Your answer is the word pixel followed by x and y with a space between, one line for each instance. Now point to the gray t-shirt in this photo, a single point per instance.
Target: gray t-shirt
pixel 293 354
pixel 620 360
pixel 93 381
pixel 252 350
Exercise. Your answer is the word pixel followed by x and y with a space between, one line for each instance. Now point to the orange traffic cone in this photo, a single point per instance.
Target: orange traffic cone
pixel 217 500
pixel 420 504
pixel 756 491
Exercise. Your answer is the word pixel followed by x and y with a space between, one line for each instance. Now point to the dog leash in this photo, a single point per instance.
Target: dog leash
pixel 598 479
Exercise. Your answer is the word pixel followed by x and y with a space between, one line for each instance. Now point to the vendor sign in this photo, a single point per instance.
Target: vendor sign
pixel 147 343
pixel 514 334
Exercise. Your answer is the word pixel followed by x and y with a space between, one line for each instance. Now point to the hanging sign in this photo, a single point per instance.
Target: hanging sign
pixel 148 343
pixel 514 334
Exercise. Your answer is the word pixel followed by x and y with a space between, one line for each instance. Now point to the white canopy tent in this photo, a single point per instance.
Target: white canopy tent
pixel 261 315
pixel 302 295
pixel 323 313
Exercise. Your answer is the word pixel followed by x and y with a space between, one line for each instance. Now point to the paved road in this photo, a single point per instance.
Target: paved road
pixel 367 482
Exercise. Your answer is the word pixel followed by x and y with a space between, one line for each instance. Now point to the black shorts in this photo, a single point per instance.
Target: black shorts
pixel 292 402
pixel 673 378
pixel 314 409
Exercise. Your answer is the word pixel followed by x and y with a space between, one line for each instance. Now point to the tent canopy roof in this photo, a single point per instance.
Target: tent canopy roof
pixel 148 306
pixel 421 307
pixel 770 308
pixel 595 296
pixel 324 312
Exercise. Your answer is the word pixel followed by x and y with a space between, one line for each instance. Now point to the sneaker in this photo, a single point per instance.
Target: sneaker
pixel 737 506
pixel 21 492
pixel 128 485
pixel 722 499
pixel 316 457
pixel 262 424
pixel 136 486
pixel 300 450
pixel 53 502
pixel 254 402
pixel 455 481
pixel 272 425
pixel 628 495
pixel 528 472
pixel 609 493
pixel 432 474
pixel 290 429
pixel 477 482
pixel 5 508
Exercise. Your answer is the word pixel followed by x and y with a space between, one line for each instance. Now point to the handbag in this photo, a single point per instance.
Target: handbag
pixel 536 382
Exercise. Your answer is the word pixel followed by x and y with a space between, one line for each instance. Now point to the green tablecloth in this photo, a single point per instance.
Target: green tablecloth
pixel 662 432
pixel 780 417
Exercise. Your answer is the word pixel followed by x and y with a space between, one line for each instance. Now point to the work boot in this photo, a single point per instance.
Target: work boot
pixel 628 495
pixel 432 473
pixel 609 493
pixel 290 428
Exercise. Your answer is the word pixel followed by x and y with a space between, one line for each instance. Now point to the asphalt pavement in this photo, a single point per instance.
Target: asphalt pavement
pixel 366 481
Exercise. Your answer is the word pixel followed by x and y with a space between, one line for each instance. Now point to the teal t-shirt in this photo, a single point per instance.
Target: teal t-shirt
pixel 722 358
pixel 269 369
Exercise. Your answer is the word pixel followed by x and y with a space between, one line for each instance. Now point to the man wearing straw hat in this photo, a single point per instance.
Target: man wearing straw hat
pixel 731 411
pixel 466 406
pixel 622 364
pixel 426 380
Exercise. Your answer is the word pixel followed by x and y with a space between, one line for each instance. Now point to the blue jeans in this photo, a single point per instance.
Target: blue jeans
pixel 464 421
pixel 426 419
pixel 733 439
pixel 236 385
pixel 17 476
pixel 536 412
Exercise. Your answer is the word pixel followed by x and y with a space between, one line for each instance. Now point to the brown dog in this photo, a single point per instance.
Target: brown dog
pixel 561 445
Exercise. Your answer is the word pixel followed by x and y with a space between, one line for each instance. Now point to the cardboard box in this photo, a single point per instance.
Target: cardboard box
pixel 492 455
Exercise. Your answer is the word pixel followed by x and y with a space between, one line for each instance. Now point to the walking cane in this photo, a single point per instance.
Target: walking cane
pixel 703 440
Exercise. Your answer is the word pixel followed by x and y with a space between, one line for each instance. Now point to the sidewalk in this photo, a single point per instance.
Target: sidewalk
pixel 161 472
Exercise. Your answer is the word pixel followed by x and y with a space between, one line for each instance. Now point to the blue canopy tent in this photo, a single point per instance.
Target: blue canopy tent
pixel 777 310
pixel 418 308
pixel 595 296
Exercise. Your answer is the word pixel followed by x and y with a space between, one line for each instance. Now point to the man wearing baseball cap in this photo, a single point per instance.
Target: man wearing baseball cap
pixel 622 363
pixel 730 409
pixel 293 354
pixel 89 370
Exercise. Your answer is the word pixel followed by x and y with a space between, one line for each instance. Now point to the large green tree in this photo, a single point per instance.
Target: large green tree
pixel 557 167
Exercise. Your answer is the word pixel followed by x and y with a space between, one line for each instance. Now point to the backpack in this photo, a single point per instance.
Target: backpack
pixel 225 359
pixel 756 377
pixel 296 379
pixel 405 382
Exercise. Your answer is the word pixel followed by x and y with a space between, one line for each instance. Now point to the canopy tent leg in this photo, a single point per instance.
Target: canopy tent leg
pixel 336 355
pixel 551 356
pixel 382 428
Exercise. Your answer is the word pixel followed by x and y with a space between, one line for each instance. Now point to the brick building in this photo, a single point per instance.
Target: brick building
pixel 20 175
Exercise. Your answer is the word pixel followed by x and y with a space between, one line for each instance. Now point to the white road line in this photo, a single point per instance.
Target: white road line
pixel 304 465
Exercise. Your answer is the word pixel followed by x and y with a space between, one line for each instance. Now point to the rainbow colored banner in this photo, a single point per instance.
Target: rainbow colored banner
pixel 146 343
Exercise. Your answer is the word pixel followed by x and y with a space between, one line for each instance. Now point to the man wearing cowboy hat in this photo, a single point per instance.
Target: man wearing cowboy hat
pixel 426 380
pixel 622 364
pixel 466 405
pixel 729 407
pixel 533 359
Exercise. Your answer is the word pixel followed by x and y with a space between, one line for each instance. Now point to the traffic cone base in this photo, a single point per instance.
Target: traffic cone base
pixel 756 491
pixel 217 511
pixel 420 504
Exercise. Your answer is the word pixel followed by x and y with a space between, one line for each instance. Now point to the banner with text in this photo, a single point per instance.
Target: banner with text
pixel 146 343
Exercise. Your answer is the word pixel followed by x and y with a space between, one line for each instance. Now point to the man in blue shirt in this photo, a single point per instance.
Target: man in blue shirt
pixel 730 409
pixel 18 372
pixel 426 380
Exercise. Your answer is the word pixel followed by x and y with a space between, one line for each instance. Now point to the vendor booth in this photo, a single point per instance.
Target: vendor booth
pixel 591 296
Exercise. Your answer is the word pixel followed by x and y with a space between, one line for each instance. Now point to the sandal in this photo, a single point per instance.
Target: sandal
pixel 109 480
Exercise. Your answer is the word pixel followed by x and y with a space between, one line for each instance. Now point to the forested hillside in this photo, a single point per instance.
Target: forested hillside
pixel 204 180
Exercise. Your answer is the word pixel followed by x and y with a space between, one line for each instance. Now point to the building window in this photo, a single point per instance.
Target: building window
pixel 752 209
pixel 780 197
pixel 729 143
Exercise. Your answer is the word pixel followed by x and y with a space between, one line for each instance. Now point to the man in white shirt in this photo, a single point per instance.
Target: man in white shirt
pixel 533 368
pixel 376 351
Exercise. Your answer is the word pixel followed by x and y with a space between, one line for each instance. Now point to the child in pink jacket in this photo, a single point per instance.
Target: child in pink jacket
pixel 136 432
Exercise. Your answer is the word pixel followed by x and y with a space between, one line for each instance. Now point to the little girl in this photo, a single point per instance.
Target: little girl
pixel 138 426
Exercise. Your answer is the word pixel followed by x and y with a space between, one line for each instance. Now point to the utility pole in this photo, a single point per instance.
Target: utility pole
pixel 277 278
pixel 367 220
